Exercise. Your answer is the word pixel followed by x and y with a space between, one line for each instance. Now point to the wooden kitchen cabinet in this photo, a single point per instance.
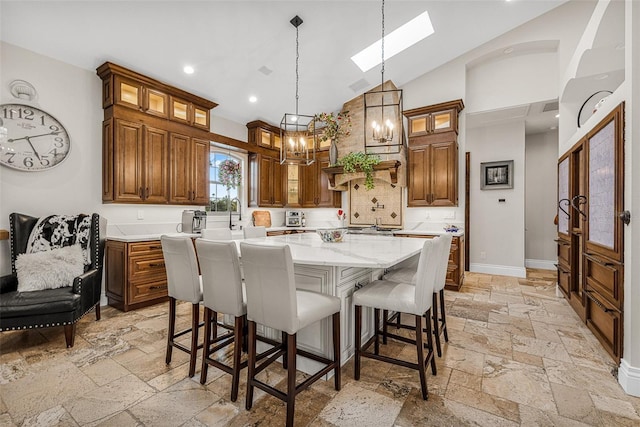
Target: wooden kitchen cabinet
pixel 433 119
pixel 135 94
pixel 266 181
pixel 433 155
pixel 314 190
pixel 136 157
pixel 189 170
pixel 188 112
pixel 455 268
pixel 264 135
pixel 433 172
pixel 153 150
pixel 135 274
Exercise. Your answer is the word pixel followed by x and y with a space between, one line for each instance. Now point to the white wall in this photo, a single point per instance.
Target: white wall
pixel 541 182
pixel 497 228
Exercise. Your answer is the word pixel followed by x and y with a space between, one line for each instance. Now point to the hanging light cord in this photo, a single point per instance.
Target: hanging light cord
pixel 382 41
pixel 297 75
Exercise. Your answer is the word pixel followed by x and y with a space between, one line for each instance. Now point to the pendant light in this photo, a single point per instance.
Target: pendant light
pixel 383 132
pixel 296 130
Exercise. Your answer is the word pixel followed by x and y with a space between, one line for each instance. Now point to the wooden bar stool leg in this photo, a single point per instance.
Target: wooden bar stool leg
pixel 237 353
pixel 336 351
pixel 251 364
pixel 436 322
pixel 376 328
pixel 434 370
pixel 195 320
pixel 357 342
pixel 291 378
pixel 385 317
pixel 172 328
pixel 444 317
pixel 206 346
pixel 421 360
pixel 98 311
pixel 285 348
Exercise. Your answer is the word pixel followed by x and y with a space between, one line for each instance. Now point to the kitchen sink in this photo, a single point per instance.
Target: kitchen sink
pixel 371 230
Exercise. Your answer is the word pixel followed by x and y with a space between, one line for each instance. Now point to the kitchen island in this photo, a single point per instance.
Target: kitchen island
pixel 338 269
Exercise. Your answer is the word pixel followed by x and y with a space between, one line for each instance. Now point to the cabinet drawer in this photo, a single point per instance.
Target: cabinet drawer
pixel 604 277
pixel 564 251
pixel 143 267
pixel 606 324
pixel 139 292
pixel 564 279
pixel 153 247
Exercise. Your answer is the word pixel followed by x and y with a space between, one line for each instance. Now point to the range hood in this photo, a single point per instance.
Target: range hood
pixel 385 171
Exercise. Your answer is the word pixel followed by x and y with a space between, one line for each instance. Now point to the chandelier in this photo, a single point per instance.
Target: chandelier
pixel 383 115
pixel 297 130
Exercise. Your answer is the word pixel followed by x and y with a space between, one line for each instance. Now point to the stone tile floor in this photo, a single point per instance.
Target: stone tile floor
pixel 517 355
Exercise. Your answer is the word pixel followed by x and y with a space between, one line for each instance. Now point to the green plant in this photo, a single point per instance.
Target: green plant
pixel 360 162
pixel 335 126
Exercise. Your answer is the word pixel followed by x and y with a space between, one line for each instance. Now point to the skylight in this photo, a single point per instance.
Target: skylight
pixel 407 35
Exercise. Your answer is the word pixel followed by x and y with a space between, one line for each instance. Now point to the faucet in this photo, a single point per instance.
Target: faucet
pixel 237 200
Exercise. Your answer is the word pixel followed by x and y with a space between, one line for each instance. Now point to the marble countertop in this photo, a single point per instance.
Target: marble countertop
pixel 238 234
pixel 368 251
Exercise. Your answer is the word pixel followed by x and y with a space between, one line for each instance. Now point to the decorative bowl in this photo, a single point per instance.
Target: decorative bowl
pixel 332 235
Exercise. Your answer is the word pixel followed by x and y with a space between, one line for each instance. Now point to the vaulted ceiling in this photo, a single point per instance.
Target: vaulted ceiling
pixel 244 48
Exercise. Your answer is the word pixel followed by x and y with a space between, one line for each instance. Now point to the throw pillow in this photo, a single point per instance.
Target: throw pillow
pixel 57 231
pixel 49 269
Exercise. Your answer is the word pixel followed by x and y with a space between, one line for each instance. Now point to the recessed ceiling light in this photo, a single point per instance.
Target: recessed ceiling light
pixel 253 99
pixel 557 115
pixel 601 77
pixel 188 69
pixel 398 40
pixel 508 50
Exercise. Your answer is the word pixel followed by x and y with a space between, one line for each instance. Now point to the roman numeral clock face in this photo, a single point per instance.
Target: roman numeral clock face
pixel 31 139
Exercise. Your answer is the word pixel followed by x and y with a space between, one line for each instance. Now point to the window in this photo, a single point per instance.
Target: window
pixel 219 195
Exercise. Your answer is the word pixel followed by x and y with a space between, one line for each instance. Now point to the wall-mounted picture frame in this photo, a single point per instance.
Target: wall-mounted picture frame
pixel 496 175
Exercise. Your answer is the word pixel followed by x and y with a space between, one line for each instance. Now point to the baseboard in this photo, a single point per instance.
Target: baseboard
pixel 629 378
pixel 502 270
pixel 543 264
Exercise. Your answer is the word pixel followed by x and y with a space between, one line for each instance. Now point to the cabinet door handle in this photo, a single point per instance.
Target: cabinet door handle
pixel 155 247
pixel 598 303
pixel 591 258
pixel 154 265
pixel 146 193
pixel 153 288
pixel 141 193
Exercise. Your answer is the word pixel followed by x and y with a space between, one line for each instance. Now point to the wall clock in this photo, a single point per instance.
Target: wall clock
pixel 31 139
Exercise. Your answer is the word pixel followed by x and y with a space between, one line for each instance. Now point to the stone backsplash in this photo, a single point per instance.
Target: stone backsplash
pixel 381 205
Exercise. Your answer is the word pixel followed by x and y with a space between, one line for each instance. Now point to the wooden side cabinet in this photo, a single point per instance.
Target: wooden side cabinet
pixel 433 155
pixel 455 269
pixel 135 274
pixel 266 181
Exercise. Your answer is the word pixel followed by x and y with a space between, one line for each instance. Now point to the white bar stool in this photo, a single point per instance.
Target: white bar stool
pixel 408 275
pixel 402 298
pixel 216 234
pixel 185 284
pixel 258 231
pixel 274 301
pixel 223 293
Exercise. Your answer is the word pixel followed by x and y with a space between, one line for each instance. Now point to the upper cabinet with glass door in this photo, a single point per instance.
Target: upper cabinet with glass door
pixel 189 112
pixel 264 135
pixel 434 118
pixel 127 88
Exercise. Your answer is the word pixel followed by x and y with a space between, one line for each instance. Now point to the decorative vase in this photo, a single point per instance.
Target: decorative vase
pixel 333 152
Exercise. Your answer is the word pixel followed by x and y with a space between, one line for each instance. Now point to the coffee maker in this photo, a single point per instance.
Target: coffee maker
pixel 193 221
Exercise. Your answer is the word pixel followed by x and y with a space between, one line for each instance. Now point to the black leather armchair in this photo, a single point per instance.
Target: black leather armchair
pixel 51 307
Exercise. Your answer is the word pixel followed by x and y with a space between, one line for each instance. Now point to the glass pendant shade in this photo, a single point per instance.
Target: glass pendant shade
pixel 383 131
pixel 298 139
